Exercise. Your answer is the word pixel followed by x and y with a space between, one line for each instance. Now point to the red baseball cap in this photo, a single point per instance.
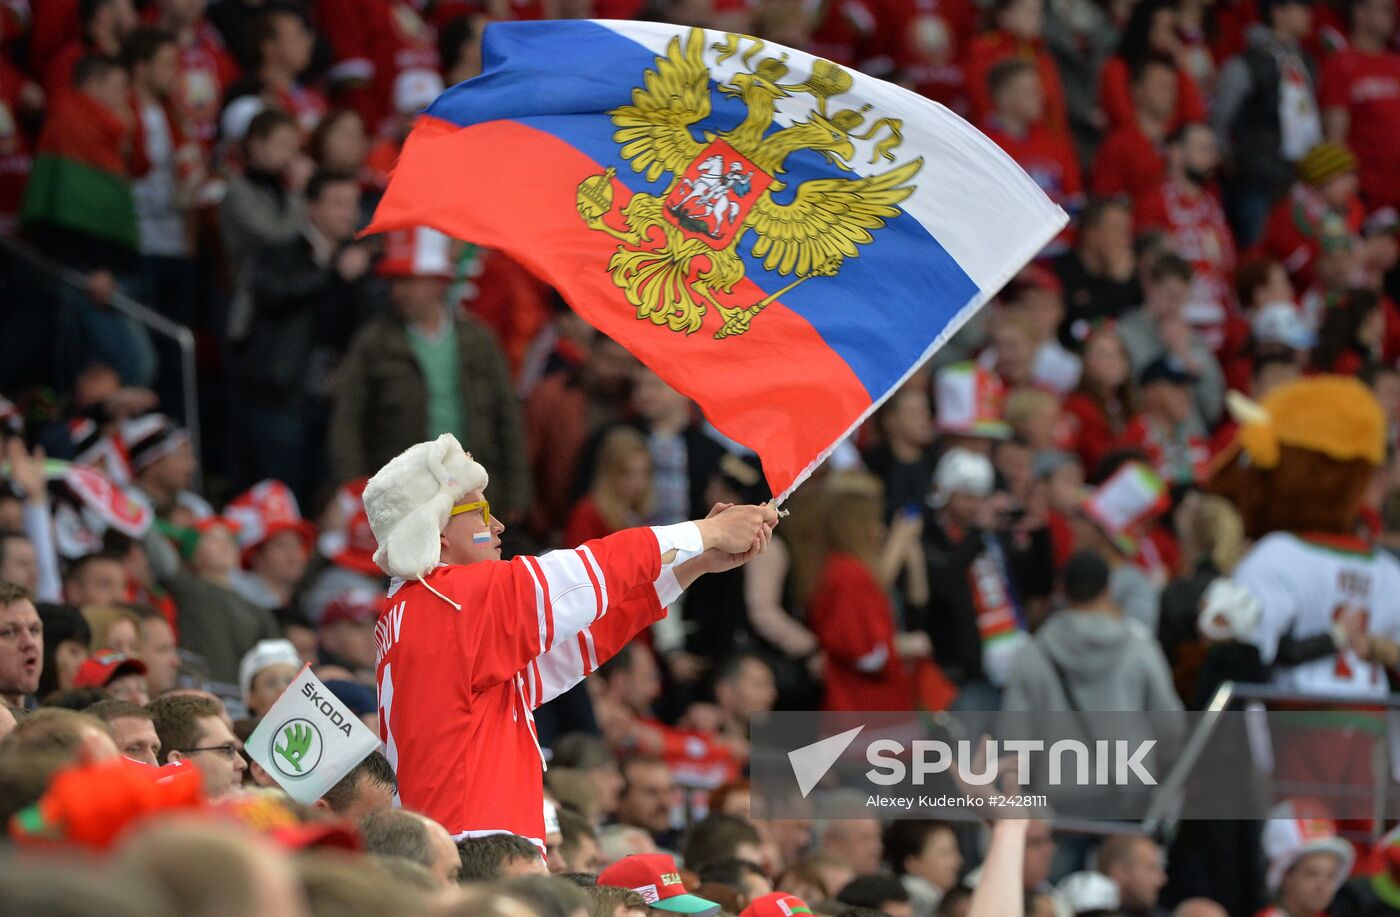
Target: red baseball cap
pixel 776 904
pixel 356 606
pixel 98 670
pixel 656 878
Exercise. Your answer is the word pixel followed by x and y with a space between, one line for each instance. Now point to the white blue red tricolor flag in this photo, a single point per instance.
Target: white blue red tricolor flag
pixel 782 239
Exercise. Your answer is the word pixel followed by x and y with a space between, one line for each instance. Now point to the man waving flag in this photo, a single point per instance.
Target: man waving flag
pixel 782 239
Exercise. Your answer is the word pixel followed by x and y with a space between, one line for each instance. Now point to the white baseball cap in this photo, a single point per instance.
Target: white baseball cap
pixel 1296 828
pixel 1088 891
pixel 1280 323
pixel 262 655
pixel 961 471
pixel 415 89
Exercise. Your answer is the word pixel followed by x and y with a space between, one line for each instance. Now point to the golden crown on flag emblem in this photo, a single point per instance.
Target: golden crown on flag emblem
pixel 679 254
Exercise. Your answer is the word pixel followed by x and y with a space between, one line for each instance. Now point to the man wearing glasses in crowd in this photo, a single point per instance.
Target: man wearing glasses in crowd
pixel 192 728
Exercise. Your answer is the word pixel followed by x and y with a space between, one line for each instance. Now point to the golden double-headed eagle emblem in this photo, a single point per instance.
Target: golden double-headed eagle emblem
pixel 679 252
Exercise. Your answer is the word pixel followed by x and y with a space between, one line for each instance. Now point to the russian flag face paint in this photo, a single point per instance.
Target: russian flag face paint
pixel 481 538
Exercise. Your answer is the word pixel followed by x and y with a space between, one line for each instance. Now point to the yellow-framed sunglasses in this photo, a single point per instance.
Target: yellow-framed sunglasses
pixel 483 505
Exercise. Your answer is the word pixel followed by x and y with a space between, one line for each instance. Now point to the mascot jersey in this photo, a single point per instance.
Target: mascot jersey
pixel 1304 584
pixel 457 689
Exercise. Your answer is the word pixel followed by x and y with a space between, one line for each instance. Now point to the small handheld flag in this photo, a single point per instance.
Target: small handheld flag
pixel 309 740
pixel 781 239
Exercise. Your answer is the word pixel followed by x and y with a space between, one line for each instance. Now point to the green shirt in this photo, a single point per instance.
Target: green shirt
pixel 437 357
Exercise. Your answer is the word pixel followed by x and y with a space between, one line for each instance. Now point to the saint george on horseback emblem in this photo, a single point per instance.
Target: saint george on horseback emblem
pixel 679 252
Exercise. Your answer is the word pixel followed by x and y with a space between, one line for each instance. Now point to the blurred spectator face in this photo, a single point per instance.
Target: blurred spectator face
pixel 1064 488
pixel 964 510
pixel 639 684
pixel 216 555
pixel 418 299
pixel 607 785
pixel 1105 362
pixel 21 650
pixel 1374 18
pixel 1274 374
pixel 160 655
pixel 1022 98
pixel 1333 269
pixel 857 842
pixel 1381 253
pixel 122 637
pixel 268 685
pixel 181 14
pixel 158 75
pixel 1140 876
pixel 1015 352
pixel 1040 851
pixel 136 739
pixel 282 558
pixel 172 473
pixel 303 638
pixel 130 688
pixel 588 857
pixel 1166 296
pixel 217 754
pixel 1023 18
pixel 654 400
pixel 117 18
pixel 909 418
pixel 1275 288
pixel 11 513
pixel 1340 190
pixel 1162 37
pixel 1154 93
pixel 792 836
pixel 1293 20
pixel 19 565
pixel 749 692
pixel 289 48
pixel 275 152
pixel 1168 401
pixel 110 89
pixel 1201 156
pixel 69 655
pixel 1044 309
pixel 1015 462
pixel 336 211
pixel 1111 235
pixel 610 367
pixel 1307 888
pixel 352 641
pixel 445 864
pixel 939 862
pixel 99 582
pixel 345 144
pixel 646 803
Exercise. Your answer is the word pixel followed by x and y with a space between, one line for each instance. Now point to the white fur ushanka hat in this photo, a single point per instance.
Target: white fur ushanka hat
pixel 410 500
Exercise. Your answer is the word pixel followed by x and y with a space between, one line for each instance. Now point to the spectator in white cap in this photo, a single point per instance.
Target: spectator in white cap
pixel 468 646
pixel 977 577
pixel 1280 324
pixel 265 672
pixel 1089 894
pixel 421 372
pixel 1308 862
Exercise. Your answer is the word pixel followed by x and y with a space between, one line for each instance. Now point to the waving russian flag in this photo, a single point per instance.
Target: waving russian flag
pixel 781 239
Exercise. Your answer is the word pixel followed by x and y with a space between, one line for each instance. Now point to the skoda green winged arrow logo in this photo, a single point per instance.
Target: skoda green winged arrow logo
pixel 296 747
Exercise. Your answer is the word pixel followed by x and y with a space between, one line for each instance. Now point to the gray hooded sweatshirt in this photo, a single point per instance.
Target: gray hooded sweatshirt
pixel 1108 663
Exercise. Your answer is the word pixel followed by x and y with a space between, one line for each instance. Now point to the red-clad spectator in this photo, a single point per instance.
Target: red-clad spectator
pixel 1130 161
pixel 1185 206
pixel 55 24
pixel 376 42
pixel 206 68
pixel 282 45
pixel 1360 99
pixel 1164 428
pixel 847 607
pixel 1323 202
pixel 928 40
pixel 1018 25
pixel 621 493
pixel 1018 127
pixel 104 25
pixel 413 92
pixel 1100 409
pixel 1352 331
pixel 845 30
pixel 1151 34
pixel 19 97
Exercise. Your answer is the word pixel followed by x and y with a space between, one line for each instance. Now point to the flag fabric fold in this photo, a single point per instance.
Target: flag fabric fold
pixel 783 240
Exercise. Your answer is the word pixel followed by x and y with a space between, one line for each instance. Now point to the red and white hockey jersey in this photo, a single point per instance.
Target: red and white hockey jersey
pixel 457 688
pixel 1306 584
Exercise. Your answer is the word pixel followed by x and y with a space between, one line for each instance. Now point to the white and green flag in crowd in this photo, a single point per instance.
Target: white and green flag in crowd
pixel 309 740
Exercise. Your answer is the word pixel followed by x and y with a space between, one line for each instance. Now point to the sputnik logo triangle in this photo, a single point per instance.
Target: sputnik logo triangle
pixel 811 762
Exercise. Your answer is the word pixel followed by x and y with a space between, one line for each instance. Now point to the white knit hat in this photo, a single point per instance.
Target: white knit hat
pixel 263 654
pixel 962 471
pixel 409 502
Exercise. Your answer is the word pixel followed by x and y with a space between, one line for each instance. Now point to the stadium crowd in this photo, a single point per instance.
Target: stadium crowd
pixel 1022 526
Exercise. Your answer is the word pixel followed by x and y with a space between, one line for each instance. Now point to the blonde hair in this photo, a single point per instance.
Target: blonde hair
pixel 618 448
pixel 1023 403
pixel 840 514
pixel 102 618
pixel 1216 529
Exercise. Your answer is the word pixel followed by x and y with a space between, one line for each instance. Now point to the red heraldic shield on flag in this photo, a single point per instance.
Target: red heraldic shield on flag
pixel 714 196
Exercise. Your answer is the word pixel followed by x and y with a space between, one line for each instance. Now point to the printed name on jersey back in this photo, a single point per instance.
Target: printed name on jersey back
pixel 387 631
